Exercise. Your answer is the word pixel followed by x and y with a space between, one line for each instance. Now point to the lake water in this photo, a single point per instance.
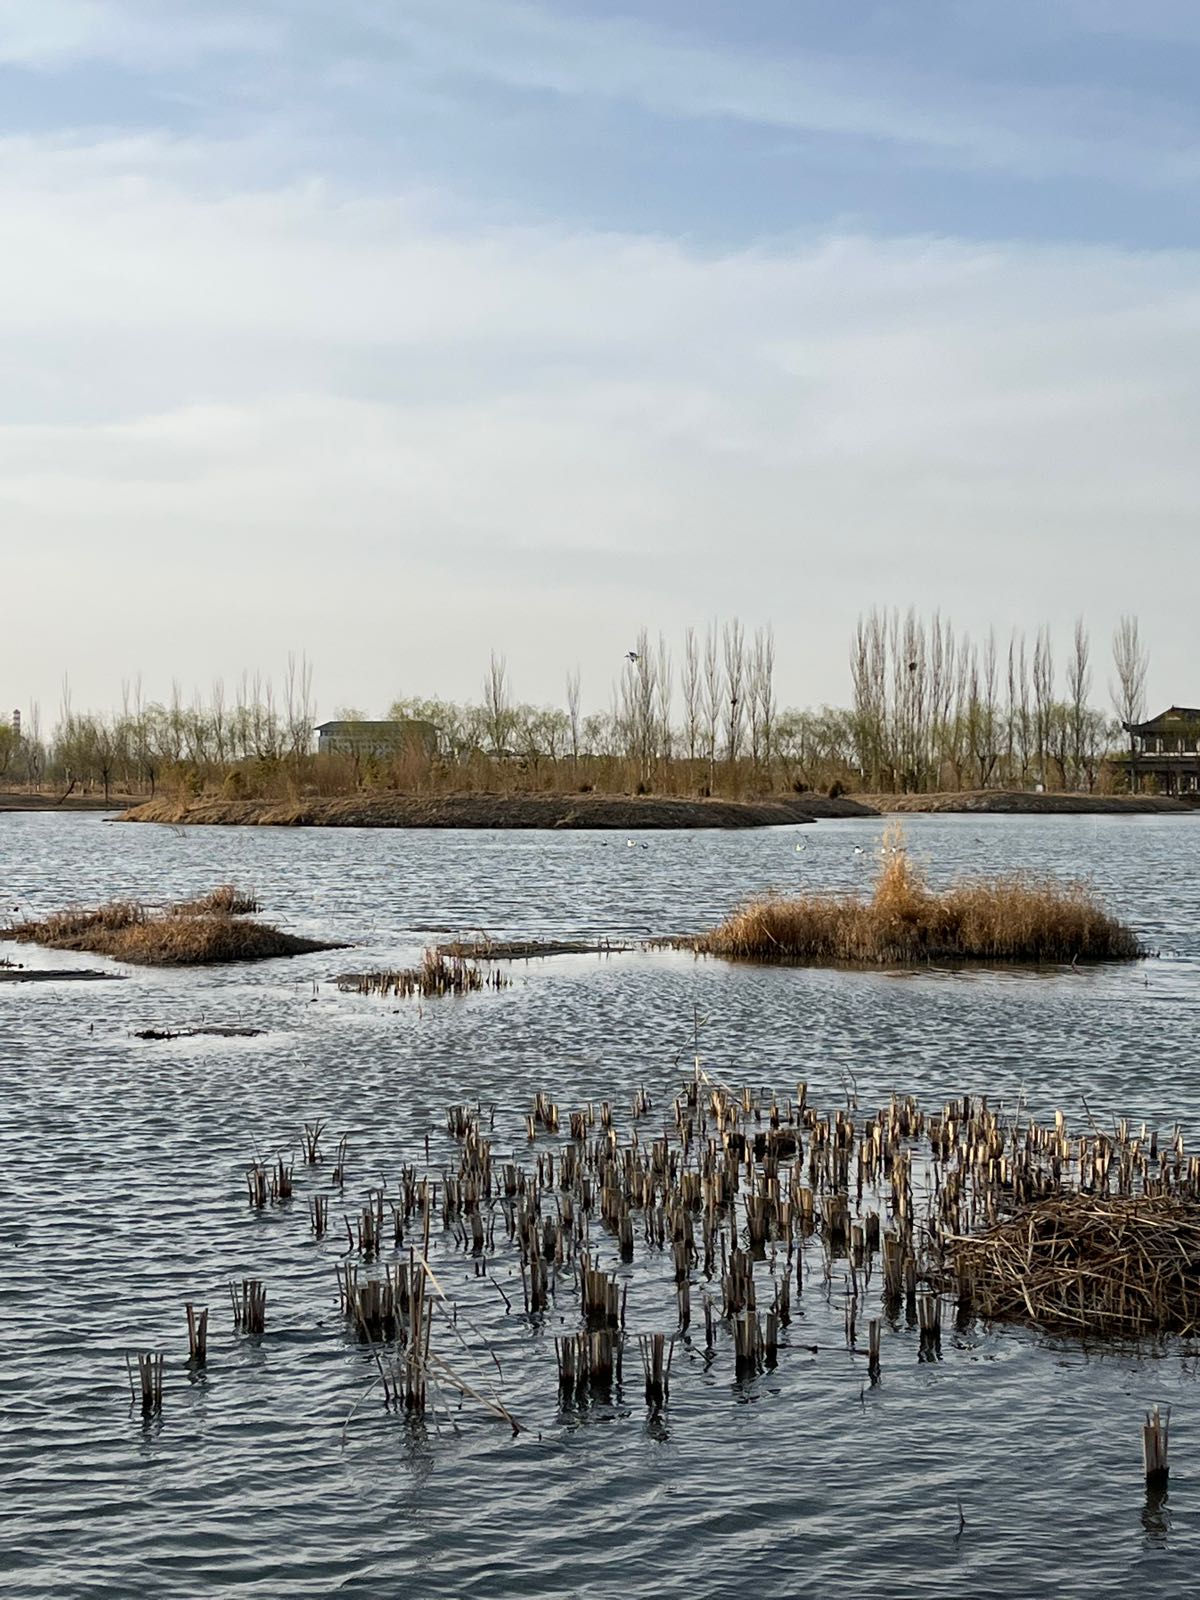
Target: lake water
pixel 122 1194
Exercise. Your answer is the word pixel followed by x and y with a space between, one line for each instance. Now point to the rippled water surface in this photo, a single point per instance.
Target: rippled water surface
pixel 122 1194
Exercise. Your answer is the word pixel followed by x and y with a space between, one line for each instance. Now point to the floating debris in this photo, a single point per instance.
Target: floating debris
pixel 214 1032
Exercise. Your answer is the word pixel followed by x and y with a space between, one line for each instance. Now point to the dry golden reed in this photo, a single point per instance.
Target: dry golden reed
pixel 1016 918
pixel 203 932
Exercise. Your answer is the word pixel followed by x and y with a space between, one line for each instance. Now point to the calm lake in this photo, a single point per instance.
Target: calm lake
pixel 277 1471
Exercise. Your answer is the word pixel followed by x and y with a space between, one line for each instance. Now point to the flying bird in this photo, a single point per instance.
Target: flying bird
pixel 632 655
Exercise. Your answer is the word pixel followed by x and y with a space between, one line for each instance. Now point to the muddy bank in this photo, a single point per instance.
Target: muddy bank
pixel 19 974
pixel 1021 802
pixel 20 800
pixel 626 812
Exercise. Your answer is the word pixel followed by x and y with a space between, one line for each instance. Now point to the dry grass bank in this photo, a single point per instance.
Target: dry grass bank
pixel 392 810
pixel 204 932
pixel 1027 802
pixel 1010 919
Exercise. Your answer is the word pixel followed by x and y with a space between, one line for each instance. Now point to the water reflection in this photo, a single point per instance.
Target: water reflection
pixel 1156 1517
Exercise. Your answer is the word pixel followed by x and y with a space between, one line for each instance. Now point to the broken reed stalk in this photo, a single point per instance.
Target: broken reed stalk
pixel 656 1351
pixel 250 1309
pixel 197 1322
pixel 150 1382
pixel 1155 1438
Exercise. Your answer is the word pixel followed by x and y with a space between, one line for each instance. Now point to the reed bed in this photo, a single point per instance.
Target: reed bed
pixel 204 932
pixel 733 1214
pixel 1013 919
pixel 438 974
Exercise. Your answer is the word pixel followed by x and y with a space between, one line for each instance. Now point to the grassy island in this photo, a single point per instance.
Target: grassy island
pixel 1018 919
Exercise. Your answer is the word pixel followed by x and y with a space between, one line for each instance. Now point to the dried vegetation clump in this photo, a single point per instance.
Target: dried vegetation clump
pixel 1017 918
pixel 1120 1266
pixel 438 974
pixel 203 932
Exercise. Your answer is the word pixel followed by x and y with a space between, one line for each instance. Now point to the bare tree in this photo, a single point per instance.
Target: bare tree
pixel 665 694
pixel 712 700
pixel 690 684
pixel 1043 699
pixel 497 704
pixel 734 646
pixel 1128 688
pixel 1020 722
pixel 573 715
pixel 761 698
pixel 1079 686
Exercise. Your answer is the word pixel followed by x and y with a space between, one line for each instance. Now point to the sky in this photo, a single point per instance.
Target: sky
pixel 396 332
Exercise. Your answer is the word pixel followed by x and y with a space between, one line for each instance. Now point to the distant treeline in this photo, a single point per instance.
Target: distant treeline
pixel 931 710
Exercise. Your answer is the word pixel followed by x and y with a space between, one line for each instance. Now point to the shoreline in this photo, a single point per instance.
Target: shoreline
pixel 1024 802
pixel 388 809
pixel 545 811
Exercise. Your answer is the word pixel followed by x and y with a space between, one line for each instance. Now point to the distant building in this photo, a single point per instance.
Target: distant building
pixel 379 739
pixel 1167 749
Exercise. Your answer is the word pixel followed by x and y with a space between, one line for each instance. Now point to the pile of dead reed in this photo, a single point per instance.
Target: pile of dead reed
pixel 1017 918
pixel 1117 1266
pixel 438 974
pixel 202 932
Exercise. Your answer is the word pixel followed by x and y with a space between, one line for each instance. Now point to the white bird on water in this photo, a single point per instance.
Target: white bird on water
pixel 859 851
pixel 802 846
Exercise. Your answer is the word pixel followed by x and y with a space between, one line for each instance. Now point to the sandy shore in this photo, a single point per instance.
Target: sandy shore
pixel 626 812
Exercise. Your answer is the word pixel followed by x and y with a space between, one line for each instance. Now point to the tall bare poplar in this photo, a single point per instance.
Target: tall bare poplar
pixel 711 699
pixel 734 648
pixel 1079 686
pixel 573 715
pixel 690 684
pixel 1128 686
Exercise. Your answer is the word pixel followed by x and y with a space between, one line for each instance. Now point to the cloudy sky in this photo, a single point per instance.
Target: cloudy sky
pixel 396 331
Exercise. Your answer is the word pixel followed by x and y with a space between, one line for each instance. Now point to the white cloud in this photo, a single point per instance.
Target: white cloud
pixel 55 33
pixel 236 420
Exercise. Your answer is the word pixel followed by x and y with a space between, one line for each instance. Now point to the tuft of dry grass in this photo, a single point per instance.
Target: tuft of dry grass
pixel 1018 918
pixel 203 932
pixel 226 901
pixel 438 974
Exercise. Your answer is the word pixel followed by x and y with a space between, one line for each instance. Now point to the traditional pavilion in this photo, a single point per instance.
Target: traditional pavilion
pixel 1167 749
